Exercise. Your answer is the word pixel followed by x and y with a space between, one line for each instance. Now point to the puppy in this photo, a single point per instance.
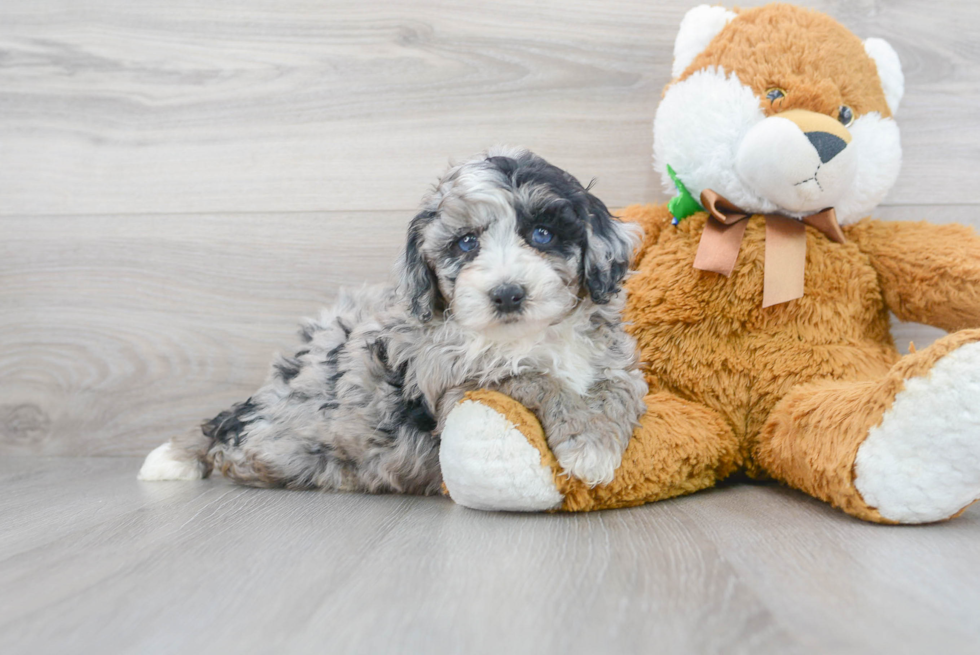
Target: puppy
pixel 509 281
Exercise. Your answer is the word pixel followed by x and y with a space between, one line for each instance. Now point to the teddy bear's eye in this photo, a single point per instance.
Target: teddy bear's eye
pixel 845 115
pixel 774 94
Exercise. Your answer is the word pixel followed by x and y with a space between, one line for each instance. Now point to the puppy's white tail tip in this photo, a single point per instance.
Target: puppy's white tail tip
pixel 163 464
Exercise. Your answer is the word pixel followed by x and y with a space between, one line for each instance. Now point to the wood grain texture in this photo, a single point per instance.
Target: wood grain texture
pixel 93 561
pixel 118 331
pixel 121 323
pixel 119 107
pixel 181 182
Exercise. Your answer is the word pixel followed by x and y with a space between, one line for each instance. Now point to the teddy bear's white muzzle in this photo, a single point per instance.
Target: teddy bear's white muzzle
pixel 799 172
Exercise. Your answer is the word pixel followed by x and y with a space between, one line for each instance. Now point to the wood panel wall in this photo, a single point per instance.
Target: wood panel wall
pixel 180 182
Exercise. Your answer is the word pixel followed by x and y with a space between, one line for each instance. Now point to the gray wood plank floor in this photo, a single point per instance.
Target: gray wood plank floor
pixel 93 561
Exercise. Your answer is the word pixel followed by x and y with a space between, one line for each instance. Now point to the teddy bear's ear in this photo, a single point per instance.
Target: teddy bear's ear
pixel 698 27
pixel 889 70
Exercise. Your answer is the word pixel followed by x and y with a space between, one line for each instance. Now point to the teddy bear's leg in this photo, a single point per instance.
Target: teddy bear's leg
pixel 494 456
pixel 901 449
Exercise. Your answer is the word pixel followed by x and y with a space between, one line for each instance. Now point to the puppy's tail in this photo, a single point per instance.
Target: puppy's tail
pixel 191 456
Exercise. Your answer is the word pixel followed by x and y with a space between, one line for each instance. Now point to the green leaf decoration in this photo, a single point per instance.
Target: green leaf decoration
pixel 683 204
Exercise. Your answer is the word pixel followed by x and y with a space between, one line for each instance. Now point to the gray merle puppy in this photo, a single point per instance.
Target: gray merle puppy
pixel 509 281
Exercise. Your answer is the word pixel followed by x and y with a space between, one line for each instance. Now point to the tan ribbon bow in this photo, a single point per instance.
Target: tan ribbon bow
pixel 785 245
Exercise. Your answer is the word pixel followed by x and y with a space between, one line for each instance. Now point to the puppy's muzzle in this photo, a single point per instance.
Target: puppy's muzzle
pixel 508 298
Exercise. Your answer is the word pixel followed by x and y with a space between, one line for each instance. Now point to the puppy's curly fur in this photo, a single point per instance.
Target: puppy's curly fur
pixel 509 281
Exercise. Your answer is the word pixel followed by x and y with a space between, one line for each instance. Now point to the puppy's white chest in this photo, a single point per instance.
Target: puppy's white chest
pixel 569 361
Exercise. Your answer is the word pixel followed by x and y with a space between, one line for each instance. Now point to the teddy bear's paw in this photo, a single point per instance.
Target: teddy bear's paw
pixel 922 463
pixel 487 463
pixel 584 458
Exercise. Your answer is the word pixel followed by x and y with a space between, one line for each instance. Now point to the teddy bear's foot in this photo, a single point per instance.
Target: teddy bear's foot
pixel 487 461
pixel 494 456
pixel 922 462
pixel 903 448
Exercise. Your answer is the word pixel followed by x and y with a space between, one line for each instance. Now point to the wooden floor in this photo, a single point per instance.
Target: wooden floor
pixel 92 561
pixel 180 182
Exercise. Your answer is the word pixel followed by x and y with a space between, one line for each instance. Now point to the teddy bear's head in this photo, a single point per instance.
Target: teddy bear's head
pixel 780 110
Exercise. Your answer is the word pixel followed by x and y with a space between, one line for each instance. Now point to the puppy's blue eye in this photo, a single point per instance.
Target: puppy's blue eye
pixel 468 243
pixel 542 236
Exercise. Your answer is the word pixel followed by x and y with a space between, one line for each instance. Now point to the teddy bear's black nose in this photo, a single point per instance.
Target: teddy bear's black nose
pixel 828 146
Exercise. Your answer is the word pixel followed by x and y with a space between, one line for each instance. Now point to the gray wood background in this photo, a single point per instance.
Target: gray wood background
pixel 180 182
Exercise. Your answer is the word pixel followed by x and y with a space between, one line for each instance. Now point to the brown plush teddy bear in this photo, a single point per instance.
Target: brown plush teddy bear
pixel 761 296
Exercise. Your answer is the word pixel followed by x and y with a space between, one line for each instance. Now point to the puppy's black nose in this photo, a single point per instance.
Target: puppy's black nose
pixel 507 298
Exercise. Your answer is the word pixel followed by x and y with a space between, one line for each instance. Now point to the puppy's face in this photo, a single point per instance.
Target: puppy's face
pixel 508 244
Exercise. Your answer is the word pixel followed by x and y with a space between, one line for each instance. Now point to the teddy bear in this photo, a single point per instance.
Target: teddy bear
pixel 761 294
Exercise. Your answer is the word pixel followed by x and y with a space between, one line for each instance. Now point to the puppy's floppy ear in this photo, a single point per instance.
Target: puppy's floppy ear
pixel 417 281
pixel 506 165
pixel 608 251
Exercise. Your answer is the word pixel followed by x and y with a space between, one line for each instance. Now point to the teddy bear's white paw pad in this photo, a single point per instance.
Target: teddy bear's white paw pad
pixel 161 464
pixel 488 464
pixel 922 464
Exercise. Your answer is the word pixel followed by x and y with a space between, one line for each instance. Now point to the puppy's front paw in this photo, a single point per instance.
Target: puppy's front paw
pixel 585 458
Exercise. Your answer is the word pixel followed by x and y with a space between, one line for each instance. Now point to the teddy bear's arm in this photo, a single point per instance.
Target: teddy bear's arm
pixel 494 456
pixel 652 218
pixel 928 273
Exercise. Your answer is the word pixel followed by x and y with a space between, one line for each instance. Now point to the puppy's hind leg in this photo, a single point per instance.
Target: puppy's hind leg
pixel 254 444
pixel 167 462
pixel 286 404
pixel 188 456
